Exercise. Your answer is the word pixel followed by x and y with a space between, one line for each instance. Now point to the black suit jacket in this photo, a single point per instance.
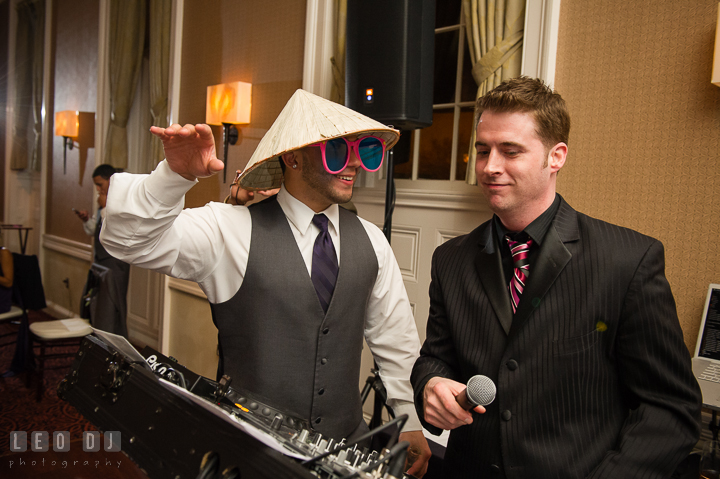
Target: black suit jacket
pixel 593 377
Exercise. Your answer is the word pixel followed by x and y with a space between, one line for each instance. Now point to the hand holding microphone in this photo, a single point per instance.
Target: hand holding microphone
pixel 480 391
pixel 447 402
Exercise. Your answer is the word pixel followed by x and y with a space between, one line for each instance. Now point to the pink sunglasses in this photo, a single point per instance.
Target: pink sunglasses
pixel 336 153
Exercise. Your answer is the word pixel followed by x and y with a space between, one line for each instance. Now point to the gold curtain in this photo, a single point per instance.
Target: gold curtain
pixel 127 36
pixel 28 83
pixel 337 92
pixel 160 21
pixel 494 31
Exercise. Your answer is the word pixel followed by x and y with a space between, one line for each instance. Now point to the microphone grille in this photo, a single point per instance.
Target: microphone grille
pixel 480 390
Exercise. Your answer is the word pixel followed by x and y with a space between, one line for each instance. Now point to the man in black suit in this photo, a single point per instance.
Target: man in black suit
pixel 593 377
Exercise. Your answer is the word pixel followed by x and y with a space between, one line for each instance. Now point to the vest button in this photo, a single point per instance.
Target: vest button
pixel 512 365
pixel 321 391
pixel 323 361
pixel 495 468
pixel 318 420
pixel 326 330
pixel 506 415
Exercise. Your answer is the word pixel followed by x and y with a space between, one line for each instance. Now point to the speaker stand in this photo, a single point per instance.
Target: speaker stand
pixel 389 194
pixel 379 400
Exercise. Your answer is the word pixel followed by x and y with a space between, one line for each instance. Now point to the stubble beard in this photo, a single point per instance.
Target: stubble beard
pixel 321 183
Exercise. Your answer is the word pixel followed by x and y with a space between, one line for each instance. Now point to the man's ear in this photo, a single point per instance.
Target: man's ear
pixel 290 159
pixel 557 156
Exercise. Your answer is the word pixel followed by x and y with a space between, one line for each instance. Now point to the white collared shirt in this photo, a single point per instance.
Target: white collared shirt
pixel 146 225
pixel 300 218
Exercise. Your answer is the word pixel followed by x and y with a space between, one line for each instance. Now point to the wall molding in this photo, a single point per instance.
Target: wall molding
pixel 48 120
pixel 319 33
pixel 72 248
pixel 59 312
pixel 443 235
pixel 542 23
pixel 141 334
pixel 175 70
pixel 423 198
pixel 189 287
pixel 408 236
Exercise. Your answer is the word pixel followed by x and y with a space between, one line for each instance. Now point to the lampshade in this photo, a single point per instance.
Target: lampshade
pixel 716 58
pixel 228 103
pixel 66 123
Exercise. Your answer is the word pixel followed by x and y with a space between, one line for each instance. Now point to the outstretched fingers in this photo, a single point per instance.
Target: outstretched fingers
pixel 189 149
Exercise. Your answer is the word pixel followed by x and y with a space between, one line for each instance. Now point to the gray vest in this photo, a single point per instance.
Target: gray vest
pixel 274 338
pixel 101 253
pixel 109 307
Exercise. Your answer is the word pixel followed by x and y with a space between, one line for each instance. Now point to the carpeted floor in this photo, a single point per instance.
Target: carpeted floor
pixel 20 411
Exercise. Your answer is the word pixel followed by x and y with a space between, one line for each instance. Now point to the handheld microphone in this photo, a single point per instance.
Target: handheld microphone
pixel 480 391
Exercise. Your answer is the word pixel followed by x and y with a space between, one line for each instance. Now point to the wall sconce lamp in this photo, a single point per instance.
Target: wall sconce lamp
pixel 228 105
pixel 67 125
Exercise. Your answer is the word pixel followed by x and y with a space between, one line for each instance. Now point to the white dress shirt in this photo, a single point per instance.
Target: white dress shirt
pixel 91 224
pixel 146 225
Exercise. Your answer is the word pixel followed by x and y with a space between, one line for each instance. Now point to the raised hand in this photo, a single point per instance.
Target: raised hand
pixel 189 150
pixel 82 214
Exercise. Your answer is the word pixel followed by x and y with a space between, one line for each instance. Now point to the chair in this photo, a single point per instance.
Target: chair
pixel 27 295
pixel 60 333
pixel 10 317
pixel 46 335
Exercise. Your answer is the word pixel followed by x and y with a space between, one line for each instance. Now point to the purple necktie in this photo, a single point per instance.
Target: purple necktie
pixel 521 270
pixel 324 269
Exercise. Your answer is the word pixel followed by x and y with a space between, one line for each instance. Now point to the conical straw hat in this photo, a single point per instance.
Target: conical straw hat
pixel 305 120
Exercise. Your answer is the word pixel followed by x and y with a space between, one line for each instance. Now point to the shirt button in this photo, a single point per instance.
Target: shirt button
pixel 318 420
pixel 506 415
pixel 326 330
pixel 321 391
pixel 512 365
pixel 323 361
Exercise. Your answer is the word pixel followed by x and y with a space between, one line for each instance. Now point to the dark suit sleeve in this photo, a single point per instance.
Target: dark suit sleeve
pixel 437 356
pixel 655 372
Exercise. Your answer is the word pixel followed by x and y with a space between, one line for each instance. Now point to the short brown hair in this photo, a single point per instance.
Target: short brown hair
pixel 530 95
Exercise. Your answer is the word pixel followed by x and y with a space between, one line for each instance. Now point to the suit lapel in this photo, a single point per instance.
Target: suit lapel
pixel 551 260
pixel 489 267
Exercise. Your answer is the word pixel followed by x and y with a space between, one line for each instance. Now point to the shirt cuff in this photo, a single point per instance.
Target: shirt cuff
pixel 166 186
pixel 89 226
pixel 406 407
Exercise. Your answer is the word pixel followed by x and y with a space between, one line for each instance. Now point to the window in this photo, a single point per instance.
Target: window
pixel 440 151
pixel 539 56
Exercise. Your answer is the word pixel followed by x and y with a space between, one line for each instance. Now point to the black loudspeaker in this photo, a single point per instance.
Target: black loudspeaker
pixel 389 60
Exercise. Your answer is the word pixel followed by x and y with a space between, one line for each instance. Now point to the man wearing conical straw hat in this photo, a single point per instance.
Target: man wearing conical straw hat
pixel 294 282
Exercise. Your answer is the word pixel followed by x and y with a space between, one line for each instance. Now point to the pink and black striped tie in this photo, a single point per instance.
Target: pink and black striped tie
pixel 324 270
pixel 520 252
